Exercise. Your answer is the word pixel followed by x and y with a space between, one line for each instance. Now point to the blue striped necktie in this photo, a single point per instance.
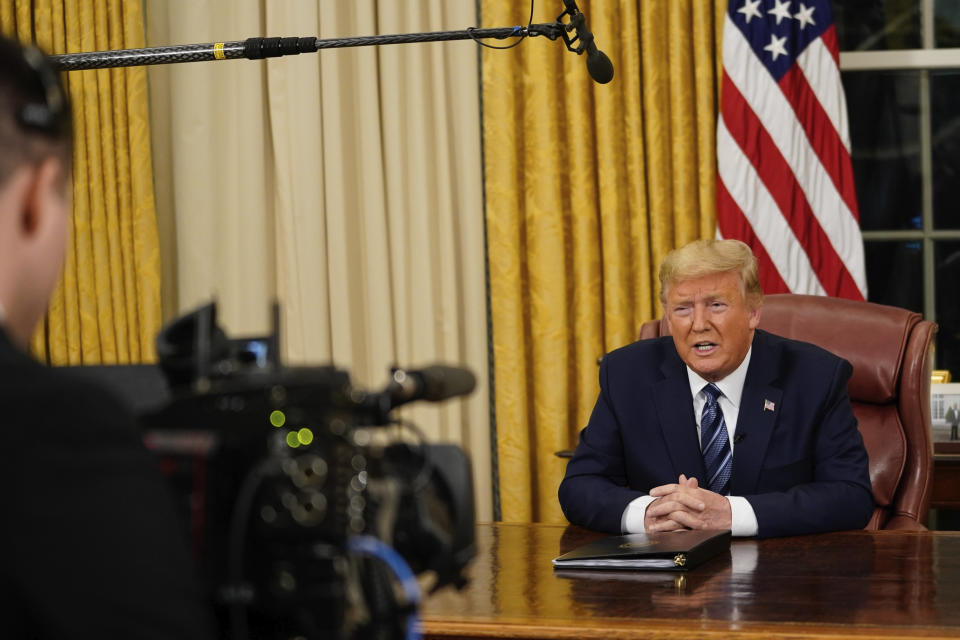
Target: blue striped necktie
pixel 714 443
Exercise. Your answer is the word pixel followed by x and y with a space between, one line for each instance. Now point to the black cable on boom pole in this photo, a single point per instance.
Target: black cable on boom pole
pixel 259 48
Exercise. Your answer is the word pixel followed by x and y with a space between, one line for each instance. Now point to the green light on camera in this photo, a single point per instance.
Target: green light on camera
pixel 305 436
pixel 292 441
pixel 278 418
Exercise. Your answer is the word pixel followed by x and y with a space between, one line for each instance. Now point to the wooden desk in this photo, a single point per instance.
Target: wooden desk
pixel 839 585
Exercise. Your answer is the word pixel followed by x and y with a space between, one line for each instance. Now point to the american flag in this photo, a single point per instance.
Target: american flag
pixel 785 180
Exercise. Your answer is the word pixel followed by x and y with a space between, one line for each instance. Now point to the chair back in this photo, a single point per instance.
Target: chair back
pixel 891 353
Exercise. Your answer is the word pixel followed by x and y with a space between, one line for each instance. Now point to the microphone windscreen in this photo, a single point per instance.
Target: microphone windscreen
pixel 599 67
pixel 440 382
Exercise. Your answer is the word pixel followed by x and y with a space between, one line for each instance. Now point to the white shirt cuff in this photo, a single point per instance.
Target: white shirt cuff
pixel 632 519
pixel 743 521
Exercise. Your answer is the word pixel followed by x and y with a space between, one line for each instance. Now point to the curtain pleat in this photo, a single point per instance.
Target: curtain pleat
pixel 587 187
pixel 106 309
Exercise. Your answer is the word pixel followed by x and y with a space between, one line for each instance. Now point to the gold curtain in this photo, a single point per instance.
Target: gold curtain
pixel 106 309
pixel 587 187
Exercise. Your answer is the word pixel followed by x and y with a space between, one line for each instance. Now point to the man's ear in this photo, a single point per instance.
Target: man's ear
pixel 755 316
pixel 43 196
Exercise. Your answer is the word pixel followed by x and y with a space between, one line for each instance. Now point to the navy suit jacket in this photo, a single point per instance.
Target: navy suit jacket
pixel 802 465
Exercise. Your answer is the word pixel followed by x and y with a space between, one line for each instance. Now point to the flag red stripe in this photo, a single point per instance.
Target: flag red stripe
pixel 829 38
pixel 774 172
pixel 733 224
pixel 823 138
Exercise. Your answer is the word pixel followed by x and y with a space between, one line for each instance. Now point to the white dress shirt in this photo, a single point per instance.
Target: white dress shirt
pixel 743 520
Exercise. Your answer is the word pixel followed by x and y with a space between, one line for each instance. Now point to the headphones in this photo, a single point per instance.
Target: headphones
pixel 45 116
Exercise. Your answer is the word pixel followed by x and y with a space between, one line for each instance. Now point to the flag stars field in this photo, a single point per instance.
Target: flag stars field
pixel 776 46
pixel 750 10
pixel 805 16
pixel 781 10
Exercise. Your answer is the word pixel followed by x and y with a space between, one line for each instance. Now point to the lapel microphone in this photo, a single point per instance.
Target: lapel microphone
pixel 740 437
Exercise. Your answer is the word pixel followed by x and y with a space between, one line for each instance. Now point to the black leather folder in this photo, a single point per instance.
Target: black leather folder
pixel 667 551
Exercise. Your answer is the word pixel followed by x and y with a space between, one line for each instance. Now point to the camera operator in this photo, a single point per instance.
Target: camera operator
pixel 91 546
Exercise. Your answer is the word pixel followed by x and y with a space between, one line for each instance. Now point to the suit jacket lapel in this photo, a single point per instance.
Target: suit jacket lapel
pixel 756 418
pixel 675 413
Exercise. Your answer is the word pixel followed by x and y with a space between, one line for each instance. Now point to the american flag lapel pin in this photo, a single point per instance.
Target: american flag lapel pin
pixel 768 405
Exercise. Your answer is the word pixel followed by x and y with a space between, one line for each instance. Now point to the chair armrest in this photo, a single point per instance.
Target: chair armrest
pixel 903 523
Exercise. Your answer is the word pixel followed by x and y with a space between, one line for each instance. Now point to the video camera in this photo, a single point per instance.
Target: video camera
pixel 316 507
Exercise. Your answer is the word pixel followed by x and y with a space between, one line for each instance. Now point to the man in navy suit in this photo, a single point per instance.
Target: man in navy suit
pixel 721 425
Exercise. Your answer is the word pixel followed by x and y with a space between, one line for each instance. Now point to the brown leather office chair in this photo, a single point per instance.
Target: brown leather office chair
pixel 890 350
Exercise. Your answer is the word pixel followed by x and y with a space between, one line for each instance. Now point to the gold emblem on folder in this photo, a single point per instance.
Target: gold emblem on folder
pixel 680 560
pixel 638 545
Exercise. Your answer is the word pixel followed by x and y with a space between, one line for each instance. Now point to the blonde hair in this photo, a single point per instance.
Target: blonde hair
pixel 708 257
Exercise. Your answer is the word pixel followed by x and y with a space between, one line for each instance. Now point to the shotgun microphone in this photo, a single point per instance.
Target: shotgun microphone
pixel 598 64
pixel 434 383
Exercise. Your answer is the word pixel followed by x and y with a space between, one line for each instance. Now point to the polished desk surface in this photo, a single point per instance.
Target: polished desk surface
pixel 839 585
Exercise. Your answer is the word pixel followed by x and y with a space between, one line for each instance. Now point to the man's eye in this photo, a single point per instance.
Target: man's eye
pixel 680 311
